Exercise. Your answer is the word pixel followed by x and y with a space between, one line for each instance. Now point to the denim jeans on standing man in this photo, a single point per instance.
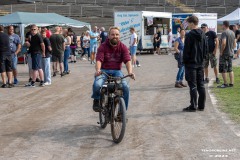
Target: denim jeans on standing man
pixel 100 80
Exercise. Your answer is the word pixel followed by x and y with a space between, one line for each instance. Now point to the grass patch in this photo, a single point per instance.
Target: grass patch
pixel 229 98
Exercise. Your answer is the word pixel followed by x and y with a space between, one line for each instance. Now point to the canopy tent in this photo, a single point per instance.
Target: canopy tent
pixel 233 18
pixel 24 19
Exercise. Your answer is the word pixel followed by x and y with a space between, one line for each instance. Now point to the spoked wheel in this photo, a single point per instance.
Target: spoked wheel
pixel 118 124
pixel 102 119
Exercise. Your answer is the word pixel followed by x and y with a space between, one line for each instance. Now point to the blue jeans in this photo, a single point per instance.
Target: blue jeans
pixel 86 50
pixel 66 56
pixel 100 80
pixel 47 70
pixel 180 74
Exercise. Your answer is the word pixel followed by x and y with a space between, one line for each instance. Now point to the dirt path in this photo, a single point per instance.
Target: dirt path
pixel 57 122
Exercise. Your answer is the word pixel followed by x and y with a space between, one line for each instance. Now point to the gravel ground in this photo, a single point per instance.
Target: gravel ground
pixel 57 122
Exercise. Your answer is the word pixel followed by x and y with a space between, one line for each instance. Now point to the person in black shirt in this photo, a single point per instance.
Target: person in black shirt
pixel 37 50
pixel 155 42
pixel 213 44
pixel 5 59
pixel 194 53
pixel 103 35
pixel 73 45
pixel 159 41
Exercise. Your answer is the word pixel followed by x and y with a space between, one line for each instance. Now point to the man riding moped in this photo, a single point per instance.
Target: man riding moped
pixel 110 56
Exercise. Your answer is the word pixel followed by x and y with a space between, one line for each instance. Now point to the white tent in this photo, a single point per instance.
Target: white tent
pixel 233 18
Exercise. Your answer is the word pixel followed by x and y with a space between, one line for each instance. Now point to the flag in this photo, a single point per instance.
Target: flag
pixel 149 21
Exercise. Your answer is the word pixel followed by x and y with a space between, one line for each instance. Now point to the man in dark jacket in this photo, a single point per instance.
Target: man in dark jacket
pixel 194 53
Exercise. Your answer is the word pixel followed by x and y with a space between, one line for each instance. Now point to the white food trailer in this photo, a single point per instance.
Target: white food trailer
pixel 146 24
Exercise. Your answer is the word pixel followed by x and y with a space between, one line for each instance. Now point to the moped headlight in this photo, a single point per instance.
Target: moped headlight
pixel 119 81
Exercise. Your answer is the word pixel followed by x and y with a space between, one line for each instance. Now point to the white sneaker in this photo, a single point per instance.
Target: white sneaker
pixel 139 65
pixel 84 59
pixel 47 83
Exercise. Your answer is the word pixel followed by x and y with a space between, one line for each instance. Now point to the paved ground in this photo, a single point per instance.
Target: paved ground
pixel 57 122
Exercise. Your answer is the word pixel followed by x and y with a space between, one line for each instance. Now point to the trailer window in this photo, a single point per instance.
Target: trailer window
pixel 162 23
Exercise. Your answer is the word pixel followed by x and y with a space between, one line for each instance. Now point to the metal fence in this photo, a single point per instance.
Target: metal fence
pixel 106 11
pixel 157 2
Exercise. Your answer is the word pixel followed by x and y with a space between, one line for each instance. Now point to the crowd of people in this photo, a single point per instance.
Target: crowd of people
pixel 195 49
pixel 43 47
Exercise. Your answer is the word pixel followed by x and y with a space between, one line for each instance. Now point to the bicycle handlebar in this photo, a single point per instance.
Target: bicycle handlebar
pixel 116 78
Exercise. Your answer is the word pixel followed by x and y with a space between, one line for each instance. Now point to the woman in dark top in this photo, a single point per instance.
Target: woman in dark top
pixel 179 46
pixel 155 42
pixel 159 41
pixel 73 45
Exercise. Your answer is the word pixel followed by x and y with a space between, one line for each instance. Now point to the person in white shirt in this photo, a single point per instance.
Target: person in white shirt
pixel 133 46
pixel 86 45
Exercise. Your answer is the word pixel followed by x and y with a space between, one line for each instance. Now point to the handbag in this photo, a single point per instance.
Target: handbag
pixel 176 56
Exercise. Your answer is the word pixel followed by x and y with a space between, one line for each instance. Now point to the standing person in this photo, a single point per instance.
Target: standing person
pixel 58 47
pixel 46 59
pixel 86 45
pixel 170 38
pixel 48 32
pixel 213 44
pixel 28 55
pixel 110 57
pixel 159 41
pixel 155 43
pixel 228 43
pixel 133 46
pixel 73 45
pixel 15 46
pixel 178 47
pixel 103 35
pixel 94 35
pixel 29 58
pixel 5 59
pixel 83 53
pixel 233 28
pixel 67 40
pixel 237 36
pixel 238 42
pixel 194 54
pixel 81 44
pixel 37 50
